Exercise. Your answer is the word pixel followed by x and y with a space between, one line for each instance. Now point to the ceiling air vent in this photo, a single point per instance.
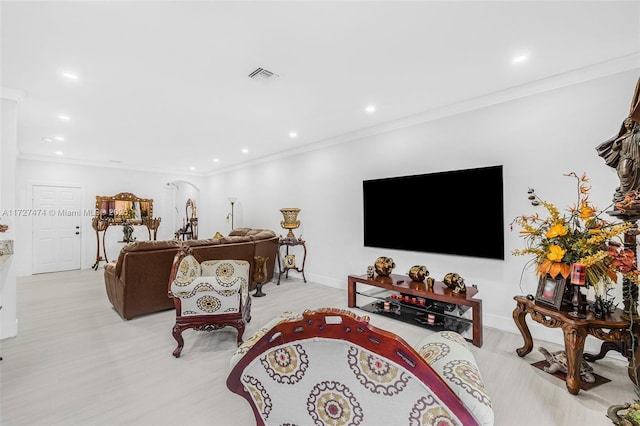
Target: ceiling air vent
pixel 262 74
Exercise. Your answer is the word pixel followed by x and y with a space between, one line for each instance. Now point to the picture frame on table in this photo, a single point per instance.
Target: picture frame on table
pixel 290 261
pixel 550 291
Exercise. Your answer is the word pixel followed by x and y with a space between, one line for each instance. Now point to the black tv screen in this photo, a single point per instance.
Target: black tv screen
pixel 457 212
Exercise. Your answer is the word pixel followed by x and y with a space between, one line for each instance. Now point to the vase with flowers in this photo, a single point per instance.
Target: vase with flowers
pixel 580 235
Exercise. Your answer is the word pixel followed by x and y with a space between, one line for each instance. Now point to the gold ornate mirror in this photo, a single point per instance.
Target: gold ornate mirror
pixel 124 206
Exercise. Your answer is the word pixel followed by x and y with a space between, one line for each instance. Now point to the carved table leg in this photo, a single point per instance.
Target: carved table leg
pixel 604 348
pixel 574 345
pixel 519 314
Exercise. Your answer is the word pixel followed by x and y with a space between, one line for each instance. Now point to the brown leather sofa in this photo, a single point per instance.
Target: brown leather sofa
pixel 137 281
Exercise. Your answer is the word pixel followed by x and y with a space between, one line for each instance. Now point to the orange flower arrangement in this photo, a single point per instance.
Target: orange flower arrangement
pixel 581 236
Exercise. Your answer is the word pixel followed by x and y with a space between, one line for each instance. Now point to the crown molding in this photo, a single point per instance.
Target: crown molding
pixel 591 72
pixel 104 164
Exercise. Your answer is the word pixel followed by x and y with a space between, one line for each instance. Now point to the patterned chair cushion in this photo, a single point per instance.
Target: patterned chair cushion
pixel 449 355
pixel 347 387
pixel 188 270
pixel 247 344
pixel 212 287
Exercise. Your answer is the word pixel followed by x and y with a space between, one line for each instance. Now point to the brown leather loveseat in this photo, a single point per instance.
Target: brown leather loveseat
pixel 137 281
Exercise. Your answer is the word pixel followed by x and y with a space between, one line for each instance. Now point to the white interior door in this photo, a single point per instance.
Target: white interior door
pixel 56 228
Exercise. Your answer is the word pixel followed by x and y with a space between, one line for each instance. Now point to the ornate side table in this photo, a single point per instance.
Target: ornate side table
pixel 613 330
pixel 289 259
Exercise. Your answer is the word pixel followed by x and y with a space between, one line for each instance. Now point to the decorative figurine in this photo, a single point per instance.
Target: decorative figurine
pixel 455 282
pixel 418 273
pixel 430 282
pixel 370 271
pixel 127 231
pixel 384 266
pixel 558 362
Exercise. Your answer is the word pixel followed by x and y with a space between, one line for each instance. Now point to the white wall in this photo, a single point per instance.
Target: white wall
pixel 537 139
pixel 8 273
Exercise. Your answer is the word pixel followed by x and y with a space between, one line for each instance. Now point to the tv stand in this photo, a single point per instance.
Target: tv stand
pixel 439 301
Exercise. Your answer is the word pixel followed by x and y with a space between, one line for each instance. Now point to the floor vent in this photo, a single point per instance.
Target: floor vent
pixel 262 74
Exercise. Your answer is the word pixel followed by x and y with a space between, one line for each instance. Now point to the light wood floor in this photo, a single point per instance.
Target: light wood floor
pixel 76 362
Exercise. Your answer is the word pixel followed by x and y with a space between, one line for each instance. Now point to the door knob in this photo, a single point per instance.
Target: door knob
pixel 77 233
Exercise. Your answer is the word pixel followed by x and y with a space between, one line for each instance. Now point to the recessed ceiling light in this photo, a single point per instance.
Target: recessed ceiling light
pixel 215 160
pixel 370 109
pixel 47 140
pixel 192 168
pixel 70 76
pixel 293 135
pixel 64 117
pixel 59 153
pixel 519 59
pixel 59 138
pixel 245 151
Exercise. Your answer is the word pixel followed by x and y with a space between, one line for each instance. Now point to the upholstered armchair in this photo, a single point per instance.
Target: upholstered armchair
pixel 209 295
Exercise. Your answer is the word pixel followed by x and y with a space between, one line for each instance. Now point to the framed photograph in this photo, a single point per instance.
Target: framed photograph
pixel 290 261
pixel 550 291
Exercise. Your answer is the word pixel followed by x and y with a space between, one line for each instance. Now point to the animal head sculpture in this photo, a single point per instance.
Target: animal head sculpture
pixel 418 273
pixel 384 266
pixel 455 282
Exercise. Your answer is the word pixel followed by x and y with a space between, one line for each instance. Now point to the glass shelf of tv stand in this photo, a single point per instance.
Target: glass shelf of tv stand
pixel 447 316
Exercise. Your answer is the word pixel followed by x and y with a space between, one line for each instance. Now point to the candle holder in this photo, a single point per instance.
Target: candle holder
pixel 578 279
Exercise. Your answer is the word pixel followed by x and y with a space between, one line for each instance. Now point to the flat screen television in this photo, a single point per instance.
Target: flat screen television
pixel 457 212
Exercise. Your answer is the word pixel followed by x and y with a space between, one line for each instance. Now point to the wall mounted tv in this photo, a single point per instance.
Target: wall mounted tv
pixel 457 212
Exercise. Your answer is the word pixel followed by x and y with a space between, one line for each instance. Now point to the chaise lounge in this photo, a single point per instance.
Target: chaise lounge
pixel 330 366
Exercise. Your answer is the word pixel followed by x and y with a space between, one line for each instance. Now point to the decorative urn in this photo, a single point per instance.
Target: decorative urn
pixel 418 273
pixel 384 266
pixel 290 221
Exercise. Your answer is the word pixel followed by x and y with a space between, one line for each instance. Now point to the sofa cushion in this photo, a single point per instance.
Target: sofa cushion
pixel 235 239
pixel 449 355
pixel 261 234
pixel 239 232
pixel 150 245
pixel 199 243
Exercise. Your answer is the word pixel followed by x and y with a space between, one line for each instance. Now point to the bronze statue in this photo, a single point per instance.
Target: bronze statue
pixel 622 151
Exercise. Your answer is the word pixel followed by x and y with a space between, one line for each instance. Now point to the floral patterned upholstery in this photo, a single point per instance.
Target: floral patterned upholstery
pixel 337 381
pixel 448 353
pixel 209 295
